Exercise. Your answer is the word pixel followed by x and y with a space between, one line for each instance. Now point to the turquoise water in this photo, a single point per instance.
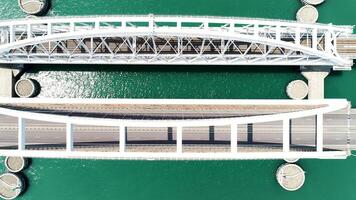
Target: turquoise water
pixel 180 82
pixel 164 82
pixel 135 180
pixel 176 180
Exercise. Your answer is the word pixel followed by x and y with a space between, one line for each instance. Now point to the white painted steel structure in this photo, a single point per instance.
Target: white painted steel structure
pixel 179 124
pixel 166 40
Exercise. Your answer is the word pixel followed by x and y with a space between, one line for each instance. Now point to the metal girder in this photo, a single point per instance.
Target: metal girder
pixel 171 40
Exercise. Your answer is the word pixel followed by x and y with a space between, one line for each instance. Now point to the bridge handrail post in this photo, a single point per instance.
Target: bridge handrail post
pixel 328 41
pixel 286 135
pixel 297 36
pixel 49 28
pixel 319 132
pixel 29 31
pixel 315 39
pixel 69 137
pixel 21 134
pixel 12 33
pixel 233 139
pixel 179 139
pixel 122 139
pixel 278 32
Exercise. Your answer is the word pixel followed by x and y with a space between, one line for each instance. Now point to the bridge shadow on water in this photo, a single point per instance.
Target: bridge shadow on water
pixel 243 144
pixel 32 68
pixel 163 81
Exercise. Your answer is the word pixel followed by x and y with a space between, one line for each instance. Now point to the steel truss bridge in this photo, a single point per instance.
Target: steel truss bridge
pixel 174 40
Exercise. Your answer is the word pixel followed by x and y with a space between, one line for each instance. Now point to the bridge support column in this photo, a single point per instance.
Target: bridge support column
pixel 7 82
pixel 319 133
pixel 286 135
pixel 69 137
pixel 233 138
pixel 122 139
pixel 315 78
pixel 179 139
pixel 21 134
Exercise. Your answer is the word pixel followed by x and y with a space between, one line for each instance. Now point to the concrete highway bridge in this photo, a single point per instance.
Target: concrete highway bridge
pixel 175 129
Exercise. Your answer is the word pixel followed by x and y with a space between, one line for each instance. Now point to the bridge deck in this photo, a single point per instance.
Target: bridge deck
pixel 193 129
pixel 347 47
pixel 157 111
pixel 257 137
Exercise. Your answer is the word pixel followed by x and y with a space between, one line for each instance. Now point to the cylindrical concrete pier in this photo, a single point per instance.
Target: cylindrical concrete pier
pixel 313 2
pixel 26 88
pixel 297 90
pixel 34 7
pixel 291 160
pixel 11 186
pixel 307 14
pixel 15 164
pixel 290 176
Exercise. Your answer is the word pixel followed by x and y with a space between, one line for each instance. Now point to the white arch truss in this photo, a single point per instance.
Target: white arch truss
pixel 213 114
pixel 178 40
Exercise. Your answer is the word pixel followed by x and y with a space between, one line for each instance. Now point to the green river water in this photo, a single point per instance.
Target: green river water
pixel 57 179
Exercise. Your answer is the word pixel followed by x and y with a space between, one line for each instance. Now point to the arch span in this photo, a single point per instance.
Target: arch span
pixel 238 49
pixel 171 40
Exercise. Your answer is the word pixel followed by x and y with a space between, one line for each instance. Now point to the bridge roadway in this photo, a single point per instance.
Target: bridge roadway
pixel 346 47
pixel 303 133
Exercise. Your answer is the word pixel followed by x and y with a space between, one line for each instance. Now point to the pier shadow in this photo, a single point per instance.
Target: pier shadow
pixel 25 181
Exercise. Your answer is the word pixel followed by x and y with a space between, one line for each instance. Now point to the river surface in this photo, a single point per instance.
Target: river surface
pixel 57 179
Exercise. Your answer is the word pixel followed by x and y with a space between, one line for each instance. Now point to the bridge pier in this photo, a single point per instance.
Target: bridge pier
pixel 7 81
pixel 315 77
pixel 9 74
